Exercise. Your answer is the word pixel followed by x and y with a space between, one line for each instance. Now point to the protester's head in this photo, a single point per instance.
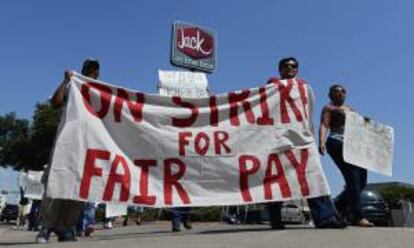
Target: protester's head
pixel 288 67
pixel 90 68
pixel 337 94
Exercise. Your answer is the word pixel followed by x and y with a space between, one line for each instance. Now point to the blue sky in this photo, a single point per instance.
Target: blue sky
pixel 365 45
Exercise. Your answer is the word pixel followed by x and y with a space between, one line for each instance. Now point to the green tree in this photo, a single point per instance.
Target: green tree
pixel 25 144
pixel 43 133
pixel 392 194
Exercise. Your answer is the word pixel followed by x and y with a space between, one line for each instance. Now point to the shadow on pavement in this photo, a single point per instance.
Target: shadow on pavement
pixel 16 243
pixel 126 235
pixel 261 229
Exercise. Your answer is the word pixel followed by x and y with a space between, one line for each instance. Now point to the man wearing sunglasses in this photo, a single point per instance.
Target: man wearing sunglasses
pixel 322 208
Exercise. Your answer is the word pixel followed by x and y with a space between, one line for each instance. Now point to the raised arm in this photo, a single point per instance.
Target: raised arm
pixel 58 98
pixel 323 129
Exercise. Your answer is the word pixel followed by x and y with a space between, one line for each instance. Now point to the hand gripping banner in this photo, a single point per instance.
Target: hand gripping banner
pixel 123 146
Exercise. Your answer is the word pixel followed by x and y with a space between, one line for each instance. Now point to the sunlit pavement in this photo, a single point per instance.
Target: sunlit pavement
pixel 158 234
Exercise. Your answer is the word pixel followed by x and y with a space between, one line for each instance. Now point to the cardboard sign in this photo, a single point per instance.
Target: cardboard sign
pixel 115 210
pixel 183 83
pixel 369 145
pixel 32 185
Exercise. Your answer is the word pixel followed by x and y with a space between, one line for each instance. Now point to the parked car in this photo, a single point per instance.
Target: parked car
pixel 374 208
pixel 291 213
pixel 9 213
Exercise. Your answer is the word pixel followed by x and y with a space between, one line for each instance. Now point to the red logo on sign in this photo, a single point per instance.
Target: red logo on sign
pixel 195 42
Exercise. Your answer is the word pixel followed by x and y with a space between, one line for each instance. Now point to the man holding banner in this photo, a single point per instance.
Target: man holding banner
pixel 323 211
pixel 61 215
pixel 333 120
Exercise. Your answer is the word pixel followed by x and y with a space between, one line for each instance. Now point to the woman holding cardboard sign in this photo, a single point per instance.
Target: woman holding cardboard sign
pixel 333 121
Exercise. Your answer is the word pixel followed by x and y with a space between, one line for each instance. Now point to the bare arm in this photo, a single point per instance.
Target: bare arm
pixel 323 129
pixel 58 98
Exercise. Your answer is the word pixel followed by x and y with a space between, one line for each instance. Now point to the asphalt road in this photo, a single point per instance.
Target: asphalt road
pixel 158 234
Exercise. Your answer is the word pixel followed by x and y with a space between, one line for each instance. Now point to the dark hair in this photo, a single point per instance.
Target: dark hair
pixel 333 87
pixel 285 60
pixel 90 65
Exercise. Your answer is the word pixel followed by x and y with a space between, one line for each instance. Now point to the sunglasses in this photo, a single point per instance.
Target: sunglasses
pixel 291 65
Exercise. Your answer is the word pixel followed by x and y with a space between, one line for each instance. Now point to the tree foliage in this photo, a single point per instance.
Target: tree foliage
pixel 392 194
pixel 27 144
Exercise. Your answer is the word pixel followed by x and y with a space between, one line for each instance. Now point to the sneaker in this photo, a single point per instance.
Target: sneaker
pixel 41 240
pixel 43 236
pixel 108 225
pixel 176 229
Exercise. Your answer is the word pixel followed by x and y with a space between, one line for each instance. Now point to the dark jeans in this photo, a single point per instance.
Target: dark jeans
pixel 275 213
pixel 86 217
pixel 179 215
pixel 34 215
pixel 322 210
pixel 355 182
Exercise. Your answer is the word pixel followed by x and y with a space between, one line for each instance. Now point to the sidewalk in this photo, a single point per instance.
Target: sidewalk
pixel 209 235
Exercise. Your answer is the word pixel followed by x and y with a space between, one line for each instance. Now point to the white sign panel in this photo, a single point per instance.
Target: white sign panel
pixel 369 145
pixel 183 83
pixel 122 146
pixel 115 210
pixel 32 184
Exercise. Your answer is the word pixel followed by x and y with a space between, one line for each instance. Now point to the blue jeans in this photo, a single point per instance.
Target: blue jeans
pixel 87 217
pixel 179 215
pixel 323 211
pixel 355 182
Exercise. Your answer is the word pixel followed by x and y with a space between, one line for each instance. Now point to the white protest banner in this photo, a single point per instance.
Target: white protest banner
pixel 122 146
pixel 115 210
pixel 183 83
pixel 31 182
pixel 369 145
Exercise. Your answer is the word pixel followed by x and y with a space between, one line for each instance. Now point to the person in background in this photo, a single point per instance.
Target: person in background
pixel 322 208
pixel 2 202
pixel 23 209
pixel 34 215
pixel 333 121
pixel 180 215
pixel 86 220
pixel 134 210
